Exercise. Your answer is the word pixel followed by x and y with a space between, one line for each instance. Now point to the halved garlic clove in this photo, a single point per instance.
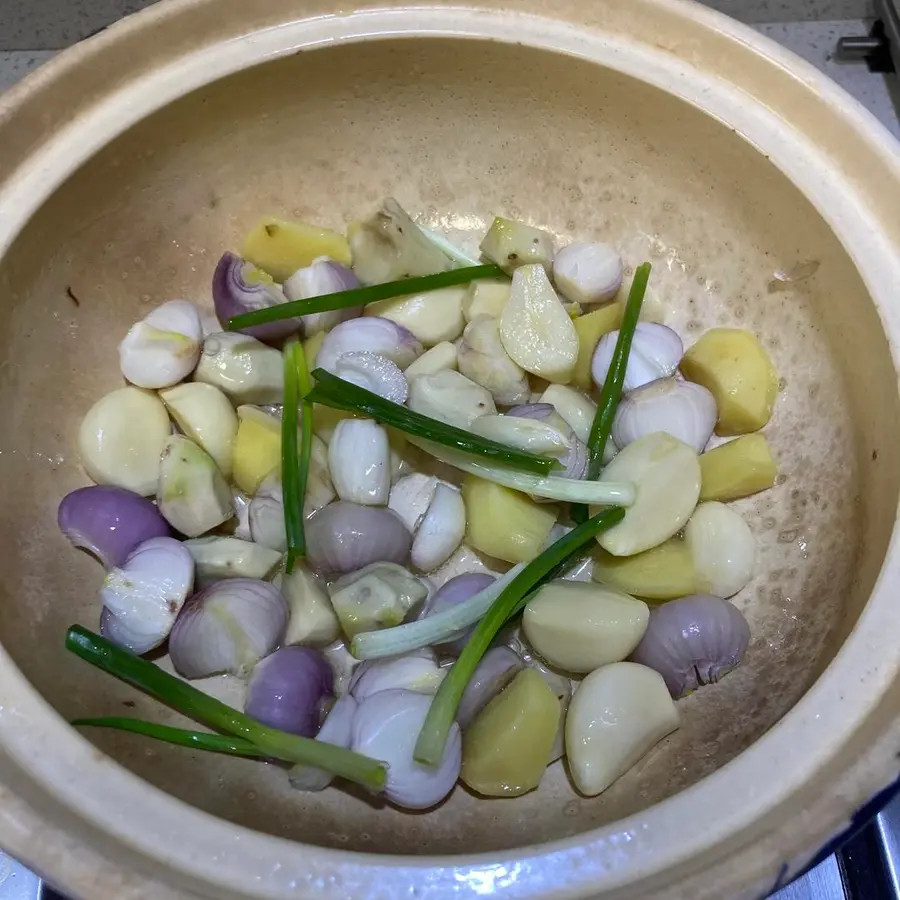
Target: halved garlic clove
pixel 247 370
pixel 482 357
pixel 206 416
pixel 433 317
pixel 439 358
pixel 121 439
pixel 618 714
pixel 577 410
pixel 588 273
pixel 163 348
pixel 683 409
pixel 655 353
pixel 144 595
pixel 441 531
pixel 451 398
pixel 359 461
pixel 722 547
pixel 373 334
pixel 192 495
pixel 375 373
pixel 217 558
pixel 666 476
pixel 536 329
pixel 410 498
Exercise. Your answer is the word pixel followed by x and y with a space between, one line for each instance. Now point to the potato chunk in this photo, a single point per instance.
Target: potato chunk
pixel 737 469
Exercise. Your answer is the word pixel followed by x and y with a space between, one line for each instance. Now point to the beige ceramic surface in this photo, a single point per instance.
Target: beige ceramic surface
pixel 116 195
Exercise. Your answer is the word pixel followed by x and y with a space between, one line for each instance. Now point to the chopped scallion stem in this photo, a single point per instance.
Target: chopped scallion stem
pixel 292 491
pixel 433 736
pixel 197 740
pixel 615 378
pixel 339 394
pixel 188 700
pixel 363 296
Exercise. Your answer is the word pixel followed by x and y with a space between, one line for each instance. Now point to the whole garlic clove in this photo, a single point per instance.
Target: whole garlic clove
pixel 206 416
pixel 386 727
pixel 683 409
pixel 536 329
pixel 192 495
pixel 655 353
pixel 451 398
pixel 618 714
pixel 244 368
pixel 588 273
pixel 531 435
pixel 482 357
pixel 439 358
pixel 576 409
pixel 441 531
pixel 121 438
pixel 722 547
pixel 433 317
pixel 163 348
pixel 375 373
pixel 410 498
pixel 359 461
pixel 666 475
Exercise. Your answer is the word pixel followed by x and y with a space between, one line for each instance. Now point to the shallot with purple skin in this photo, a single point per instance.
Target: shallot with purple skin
pixel 290 690
pixel 693 641
pixel 324 276
pixel 109 522
pixel 457 590
pixel 372 334
pixel 234 295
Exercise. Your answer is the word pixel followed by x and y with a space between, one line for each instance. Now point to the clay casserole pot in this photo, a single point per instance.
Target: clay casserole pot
pixel 129 164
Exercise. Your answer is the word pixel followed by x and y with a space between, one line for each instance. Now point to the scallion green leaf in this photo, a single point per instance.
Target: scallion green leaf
pixel 363 296
pixel 339 394
pixel 188 700
pixel 433 736
pixel 196 740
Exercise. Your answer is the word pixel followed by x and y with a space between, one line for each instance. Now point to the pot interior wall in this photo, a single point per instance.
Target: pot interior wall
pixel 458 130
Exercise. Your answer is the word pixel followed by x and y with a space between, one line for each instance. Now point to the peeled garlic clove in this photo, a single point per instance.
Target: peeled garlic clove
pixel 266 516
pixel 575 408
pixel 217 558
pixel 337 729
pixel 312 617
pixel 121 438
pixel 192 495
pixel 378 596
pixel 441 531
pixel 618 714
pixel 433 316
pixel 574 456
pixel 206 416
pixel 359 461
pixel 439 358
pixel 511 244
pixel 485 298
pixel 482 357
pixel 525 434
pixel 579 627
pixel 655 353
pixel 244 368
pixel 410 498
pixel 164 347
pixel 386 727
pixel 451 398
pixel 722 547
pixel 371 334
pixel 685 410
pixel 418 671
pixel 588 273
pixel 535 328
pixel 145 594
pixel 319 489
pixel 666 476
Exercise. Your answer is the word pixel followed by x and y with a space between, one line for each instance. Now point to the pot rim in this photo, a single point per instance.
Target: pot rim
pixel 847 165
